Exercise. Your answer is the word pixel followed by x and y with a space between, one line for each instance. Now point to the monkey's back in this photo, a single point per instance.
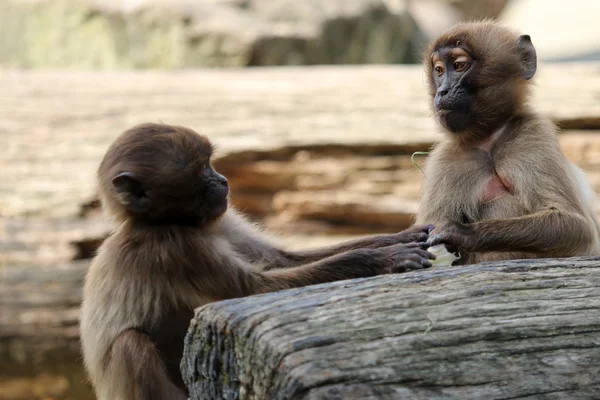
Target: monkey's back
pixel 110 306
pixel 124 289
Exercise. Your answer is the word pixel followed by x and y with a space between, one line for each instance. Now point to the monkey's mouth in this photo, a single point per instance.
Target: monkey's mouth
pixel 445 107
pixel 221 208
pixel 220 201
pixel 452 120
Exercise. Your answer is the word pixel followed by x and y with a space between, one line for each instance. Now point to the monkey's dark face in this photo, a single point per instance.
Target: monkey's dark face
pixel 453 98
pixel 215 192
pixel 163 175
pixel 477 77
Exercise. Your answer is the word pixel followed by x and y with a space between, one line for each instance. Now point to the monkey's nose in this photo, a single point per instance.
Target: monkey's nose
pixel 223 181
pixel 442 92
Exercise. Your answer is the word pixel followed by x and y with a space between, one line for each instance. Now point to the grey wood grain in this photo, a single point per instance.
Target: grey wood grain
pixel 504 330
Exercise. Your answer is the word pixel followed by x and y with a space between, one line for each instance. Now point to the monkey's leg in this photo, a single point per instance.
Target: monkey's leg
pixel 550 231
pixel 136 371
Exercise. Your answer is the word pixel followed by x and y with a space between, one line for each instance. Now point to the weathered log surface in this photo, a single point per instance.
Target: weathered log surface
pixel 323 150
pixel 39 332
pixel 55 126
pixel 518 329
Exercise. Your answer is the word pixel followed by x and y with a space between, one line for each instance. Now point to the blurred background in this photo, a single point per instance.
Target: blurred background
pixel 315 106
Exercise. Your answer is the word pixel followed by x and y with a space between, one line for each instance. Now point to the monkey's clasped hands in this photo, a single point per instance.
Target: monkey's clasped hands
pixel 455 236
pixel 403 257
pixel 409 254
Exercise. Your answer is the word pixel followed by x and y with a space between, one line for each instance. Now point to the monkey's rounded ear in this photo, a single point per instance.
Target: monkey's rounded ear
pixel 528 56
pixel 125 182
pixel 130 191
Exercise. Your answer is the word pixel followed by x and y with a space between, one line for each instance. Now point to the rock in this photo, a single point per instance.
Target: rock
pixel 579 29
pixel 478 9
pixel 491 330
pixel 335 32
pixel 583 148
pixel 73 33
pixel 367 211
pixel 344 135
pixel 434 16
pixel 47 242
pixel 219 33
pixel 381 110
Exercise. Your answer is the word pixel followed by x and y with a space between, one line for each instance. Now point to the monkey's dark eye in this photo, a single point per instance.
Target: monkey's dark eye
pixel 460 66
pixel 461 63
pixel 438 67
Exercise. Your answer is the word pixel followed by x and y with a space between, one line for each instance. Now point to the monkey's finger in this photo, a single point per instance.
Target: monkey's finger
pixel 422 260
pixel 418 245
pixel 419 237
pixel 426 254
pixel 438 239
pixel 426 228
pixel 407 237
pixel 404 246
pixel 409 265
pixel 418 229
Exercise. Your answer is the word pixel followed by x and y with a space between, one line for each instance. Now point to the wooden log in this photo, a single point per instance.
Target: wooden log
pixel 514 329
pixel 242 110
pixel 39 332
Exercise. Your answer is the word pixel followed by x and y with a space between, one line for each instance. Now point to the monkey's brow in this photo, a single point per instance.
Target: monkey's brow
pixel 448 52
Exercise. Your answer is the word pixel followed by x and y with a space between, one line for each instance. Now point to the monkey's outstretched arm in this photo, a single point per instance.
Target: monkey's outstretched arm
pixel 415 234
pixel 548 232
pixel 233 277
pixel 258 249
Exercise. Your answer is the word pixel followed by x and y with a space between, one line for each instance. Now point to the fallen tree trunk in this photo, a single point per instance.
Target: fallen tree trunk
pixel 39 333
pixel 515 329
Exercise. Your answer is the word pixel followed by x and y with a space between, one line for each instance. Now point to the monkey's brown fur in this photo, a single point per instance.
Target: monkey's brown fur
pixel 499 187
pixel 176 248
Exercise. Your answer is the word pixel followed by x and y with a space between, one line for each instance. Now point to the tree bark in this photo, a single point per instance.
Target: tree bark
pixel 514 329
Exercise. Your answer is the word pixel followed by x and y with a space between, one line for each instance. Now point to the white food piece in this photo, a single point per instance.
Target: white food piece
pixel 443 257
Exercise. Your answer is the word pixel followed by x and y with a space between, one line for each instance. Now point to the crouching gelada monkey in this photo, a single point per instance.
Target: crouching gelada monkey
pixel 498 187
pixel 180 245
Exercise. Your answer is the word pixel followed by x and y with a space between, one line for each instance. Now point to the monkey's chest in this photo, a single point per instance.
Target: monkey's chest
pixel 495 187
pixel 490 178
pixel 487 188
pixel 495 195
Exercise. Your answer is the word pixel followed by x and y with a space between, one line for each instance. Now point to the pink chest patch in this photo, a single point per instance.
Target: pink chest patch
pixel 496 188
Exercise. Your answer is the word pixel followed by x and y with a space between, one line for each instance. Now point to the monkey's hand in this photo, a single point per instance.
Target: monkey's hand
pixel 402 258
pixel 456 236
pixel 416 233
